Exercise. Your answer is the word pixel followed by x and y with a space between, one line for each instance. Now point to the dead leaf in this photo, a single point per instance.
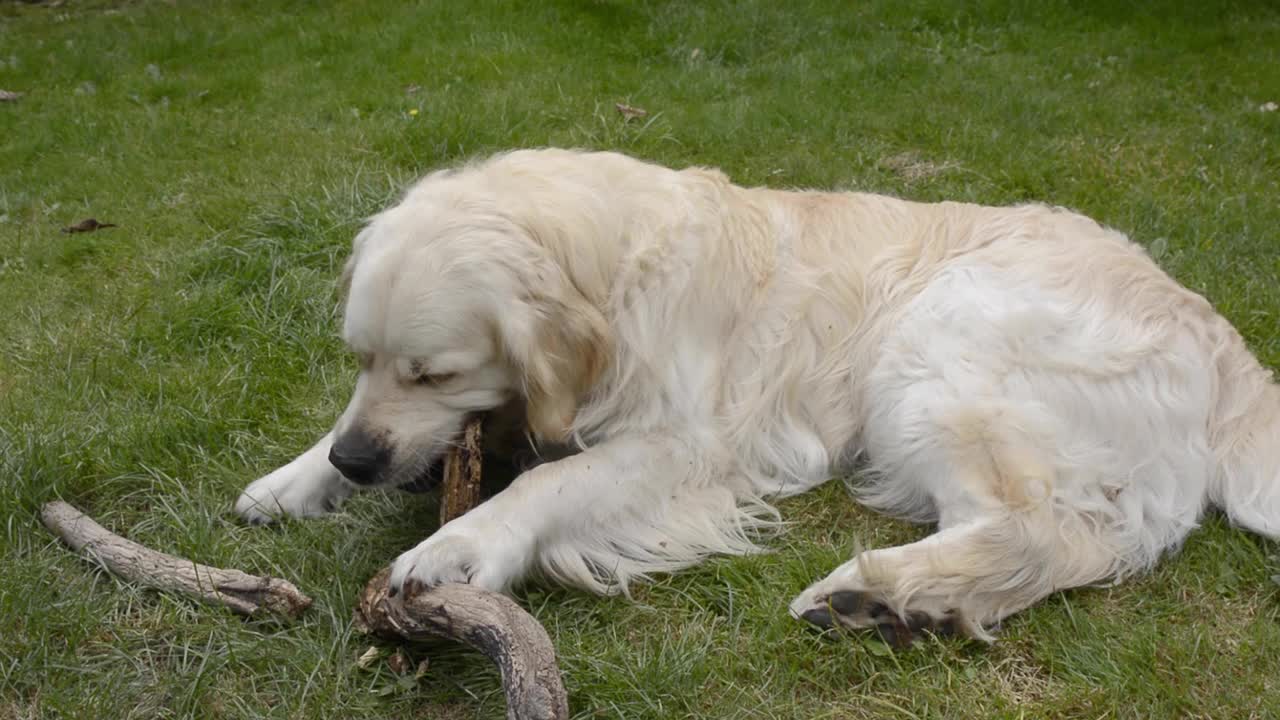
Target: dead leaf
pixel 629 112
pixel 411 89
pixel 423 665
pixel 368 658
pixel 398 662
pixel 87 225
pixel 9 96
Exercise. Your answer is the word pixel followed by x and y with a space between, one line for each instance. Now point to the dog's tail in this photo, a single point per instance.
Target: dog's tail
pixel 1244 433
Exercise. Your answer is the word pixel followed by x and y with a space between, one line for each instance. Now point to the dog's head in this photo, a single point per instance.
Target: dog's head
pixel 454 307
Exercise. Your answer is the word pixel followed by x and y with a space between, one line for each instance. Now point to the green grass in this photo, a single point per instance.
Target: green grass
pixel 148 372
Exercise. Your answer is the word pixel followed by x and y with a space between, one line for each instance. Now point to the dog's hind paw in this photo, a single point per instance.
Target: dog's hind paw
pixel 861 609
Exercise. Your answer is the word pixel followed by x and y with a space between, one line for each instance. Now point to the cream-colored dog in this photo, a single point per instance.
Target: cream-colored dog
pixel 1025 378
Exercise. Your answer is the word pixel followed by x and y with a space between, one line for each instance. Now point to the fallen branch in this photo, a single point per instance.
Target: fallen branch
pixel 486 621
pixel 244 593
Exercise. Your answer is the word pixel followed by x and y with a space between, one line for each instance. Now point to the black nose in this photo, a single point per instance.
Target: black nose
pixel 358 457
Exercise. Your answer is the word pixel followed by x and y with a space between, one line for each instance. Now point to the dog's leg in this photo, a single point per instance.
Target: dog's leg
pixel 963 580
pixel 596 520
pixel 306 487
pixel 1007 538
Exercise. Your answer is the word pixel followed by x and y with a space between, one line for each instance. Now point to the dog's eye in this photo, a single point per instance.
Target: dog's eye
pixel 434 379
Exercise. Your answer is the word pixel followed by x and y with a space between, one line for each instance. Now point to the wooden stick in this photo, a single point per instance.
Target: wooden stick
pixel 460 490
pixel 244 593
pixel 486 621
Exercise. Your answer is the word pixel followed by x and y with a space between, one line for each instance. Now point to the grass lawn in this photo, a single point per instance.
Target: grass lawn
pixel 149 371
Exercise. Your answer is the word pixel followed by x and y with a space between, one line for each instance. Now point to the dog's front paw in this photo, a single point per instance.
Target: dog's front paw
pixel 493 559
pixel 288 492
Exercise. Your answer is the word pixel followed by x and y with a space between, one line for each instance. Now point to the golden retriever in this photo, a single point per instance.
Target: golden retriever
pixel 1023 377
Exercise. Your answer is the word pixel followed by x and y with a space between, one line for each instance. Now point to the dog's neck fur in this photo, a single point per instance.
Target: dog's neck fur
pixel 593 232
pixel 684 266
pixel 769 270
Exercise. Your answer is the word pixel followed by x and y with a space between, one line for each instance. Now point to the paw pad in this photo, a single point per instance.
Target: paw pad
pixel 858 609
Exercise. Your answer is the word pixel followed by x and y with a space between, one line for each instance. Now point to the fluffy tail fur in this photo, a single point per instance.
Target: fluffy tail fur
pixel 1245 436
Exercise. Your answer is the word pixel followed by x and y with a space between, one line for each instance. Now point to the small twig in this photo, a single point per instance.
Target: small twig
pixel 87 225
pixel 629 112
pixel 460 491
pixel 486 621
pixel 242 592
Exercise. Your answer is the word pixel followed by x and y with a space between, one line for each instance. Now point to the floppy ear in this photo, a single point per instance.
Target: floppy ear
pixel 562 346
pixel 349 268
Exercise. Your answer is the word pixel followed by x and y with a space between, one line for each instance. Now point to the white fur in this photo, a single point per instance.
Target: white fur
pixel 1024 377
pixel 306 487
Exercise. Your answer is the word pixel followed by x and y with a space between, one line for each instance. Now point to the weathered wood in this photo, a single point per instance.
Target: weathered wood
pixel 460 491
pixel 486 621
pixel 489 622
pixel 244 593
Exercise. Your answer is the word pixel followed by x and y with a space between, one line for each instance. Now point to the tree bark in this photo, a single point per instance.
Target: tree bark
pixel 460 490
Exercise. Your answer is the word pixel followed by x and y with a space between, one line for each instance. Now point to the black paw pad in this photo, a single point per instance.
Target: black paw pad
pixel 848 602
pixel 917 621
pixel 820 617
pixel 879 611
pixel 895 634
pixel 901 631
pixel 947 627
